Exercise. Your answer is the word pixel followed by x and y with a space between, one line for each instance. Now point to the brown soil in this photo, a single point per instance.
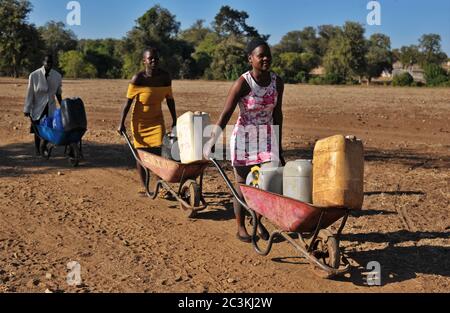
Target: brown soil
pixel 52 214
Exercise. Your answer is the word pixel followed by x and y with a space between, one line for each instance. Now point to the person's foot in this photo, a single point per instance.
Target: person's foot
pixel 245 238
pixel 44 149
pixel 142 193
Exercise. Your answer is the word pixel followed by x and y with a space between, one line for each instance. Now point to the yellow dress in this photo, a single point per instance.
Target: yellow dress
pixel 147 121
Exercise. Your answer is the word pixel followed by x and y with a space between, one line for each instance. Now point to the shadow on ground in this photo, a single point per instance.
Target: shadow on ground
pixel 399 263
pixel 18 159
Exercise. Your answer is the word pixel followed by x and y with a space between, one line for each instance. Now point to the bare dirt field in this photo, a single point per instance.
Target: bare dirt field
pixel 52 214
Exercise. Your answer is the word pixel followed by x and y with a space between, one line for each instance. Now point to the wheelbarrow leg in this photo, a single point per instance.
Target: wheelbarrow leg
pixel 202 199
pixel 149 193
pixel 316 232
pixel 341 228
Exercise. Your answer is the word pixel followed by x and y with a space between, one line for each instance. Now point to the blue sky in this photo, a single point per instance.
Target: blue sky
pixel 403 20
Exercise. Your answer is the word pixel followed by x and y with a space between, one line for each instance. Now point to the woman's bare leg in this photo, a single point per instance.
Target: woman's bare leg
pixel 241 174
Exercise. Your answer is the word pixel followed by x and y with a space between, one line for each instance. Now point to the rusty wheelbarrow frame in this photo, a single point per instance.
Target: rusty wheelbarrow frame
pixel 189 178
pixel 315 242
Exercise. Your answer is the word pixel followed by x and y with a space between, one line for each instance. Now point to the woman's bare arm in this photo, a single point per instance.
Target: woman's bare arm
pixel 125 110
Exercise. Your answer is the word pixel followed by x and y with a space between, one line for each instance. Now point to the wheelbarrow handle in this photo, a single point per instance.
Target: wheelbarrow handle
pixel 232 188
pixel 130 145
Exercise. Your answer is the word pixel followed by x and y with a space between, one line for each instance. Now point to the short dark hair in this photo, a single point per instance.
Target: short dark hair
pixel 150 49
pixel 48 57
pixel 255 43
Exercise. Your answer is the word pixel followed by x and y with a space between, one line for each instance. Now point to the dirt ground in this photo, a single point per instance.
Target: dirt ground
pixel 52 214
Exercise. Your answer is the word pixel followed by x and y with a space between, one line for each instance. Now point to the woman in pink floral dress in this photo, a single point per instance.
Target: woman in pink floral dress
pixel 256 138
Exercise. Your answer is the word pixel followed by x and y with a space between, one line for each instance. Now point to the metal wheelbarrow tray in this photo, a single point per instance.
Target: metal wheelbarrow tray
pixel 301 224
pixel 189 178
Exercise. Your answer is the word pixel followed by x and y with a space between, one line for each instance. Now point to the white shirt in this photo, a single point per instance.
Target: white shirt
pixel 42 91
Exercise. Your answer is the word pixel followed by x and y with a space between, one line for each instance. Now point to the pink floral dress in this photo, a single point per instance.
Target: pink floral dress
pixel 254 140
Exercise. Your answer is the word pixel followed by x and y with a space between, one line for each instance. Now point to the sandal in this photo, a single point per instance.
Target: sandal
pixel 142 193
pixel 246 239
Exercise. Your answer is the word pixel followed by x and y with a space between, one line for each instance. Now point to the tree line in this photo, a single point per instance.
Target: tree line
pixel 215 52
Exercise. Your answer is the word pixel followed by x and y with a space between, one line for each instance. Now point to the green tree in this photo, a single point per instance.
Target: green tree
pixel 430 47
pixel 299 41
pixel 231 22
pixel 196 33
pixel 104 54
pixel 435 75
pixel 227 47
pixel 309 40
pixel 295 67
pixel 57 38
pixel 325 34
pixel 410 55
pixel 396 55
pixel 204 54
pixel 229 60
pixel 291 42
pixel 20 43
pixel 346 55
pixel 402 80
pixel 158 28
pixel 74 65
pixel 379 55
pixel 288 65
pixel 158 24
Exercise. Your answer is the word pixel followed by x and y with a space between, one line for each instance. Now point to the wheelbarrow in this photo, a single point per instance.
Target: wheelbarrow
pixel 301 224
pixel 70 140
pixel 189 177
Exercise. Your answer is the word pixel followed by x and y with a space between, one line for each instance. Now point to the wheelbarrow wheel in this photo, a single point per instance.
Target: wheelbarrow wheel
pixel 190 192
pixel 326 250
pixel 74 155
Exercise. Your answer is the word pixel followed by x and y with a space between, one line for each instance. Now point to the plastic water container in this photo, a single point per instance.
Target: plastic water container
pixel 338 173
pixel 267 178
pixel 170 149
pixel 297 180
pixel 190 130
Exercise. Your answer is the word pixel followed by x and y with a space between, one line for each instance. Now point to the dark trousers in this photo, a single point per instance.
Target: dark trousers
pixel 37 139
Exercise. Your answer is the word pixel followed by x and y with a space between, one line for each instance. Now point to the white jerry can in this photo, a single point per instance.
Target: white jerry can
pixel 191 135
pixel 297 180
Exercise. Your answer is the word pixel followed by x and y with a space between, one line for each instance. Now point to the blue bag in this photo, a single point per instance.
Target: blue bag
pixel 47 121
pixel 57 120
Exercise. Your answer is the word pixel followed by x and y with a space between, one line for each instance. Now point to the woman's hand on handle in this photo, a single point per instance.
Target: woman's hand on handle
pixel 125 110
pixel 208 149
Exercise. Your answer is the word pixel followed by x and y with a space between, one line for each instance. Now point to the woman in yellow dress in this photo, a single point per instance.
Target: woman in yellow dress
pixel 147 91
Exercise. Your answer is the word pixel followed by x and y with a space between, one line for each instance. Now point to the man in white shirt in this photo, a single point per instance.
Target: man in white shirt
pixel 43 86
